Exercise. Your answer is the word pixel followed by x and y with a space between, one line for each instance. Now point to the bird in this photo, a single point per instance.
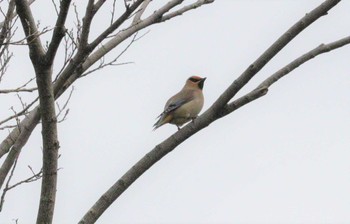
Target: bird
pixel 185 105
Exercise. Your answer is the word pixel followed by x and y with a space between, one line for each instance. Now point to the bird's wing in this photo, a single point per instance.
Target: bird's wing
pixel 172 104
pixel 176 102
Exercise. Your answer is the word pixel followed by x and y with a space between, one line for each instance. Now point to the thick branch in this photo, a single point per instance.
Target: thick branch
pixel 35 48
pixel 22 134
pixel 59 31
pixel 137 17
pixel 98 4
pixel 50 145
pixel 257 65
pixel 89 15
pixel 323 48
pixel 43 71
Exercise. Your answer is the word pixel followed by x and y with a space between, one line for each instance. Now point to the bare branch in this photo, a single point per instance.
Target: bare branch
pixel 137 17
pixel 15 13
pixel 185 9
pixel 323 48
pixel 7 127
pixel 116 24
pixel 61 110
pixel 43 72
pixel 35 47
pixel 99 3
pixel 78 26
pixel 5 57
pixel 5 36
pixel 34 177
pixel 59 31
pixel 113 11
pixel 113 62
pixel 23 112
pixel 19 89
pixel 50 143
pixel 89 14
pixel 6 24
pixel 15 141
pixel 259 63
pixel 2 200
pixel 124 34
pixel 23 40
pixel 55 7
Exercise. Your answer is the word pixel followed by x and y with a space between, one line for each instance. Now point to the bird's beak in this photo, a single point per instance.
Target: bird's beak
pixel 201 83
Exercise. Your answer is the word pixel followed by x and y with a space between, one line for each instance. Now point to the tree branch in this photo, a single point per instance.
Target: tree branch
pixel 124 34
pixel 59 31
pixel 6 24
pixel 257 65
pixel 116 24
pixel 19 89
pixel 323 48
pixel 13 14
pixel 2 199
pixel 185 9
pixel 35 48
pixel 4 150
pixel 89 15
pixel 16 140
pixel 137 17
pixel 98 4
pixel 50 143
pixel 43 71
pixel 212 114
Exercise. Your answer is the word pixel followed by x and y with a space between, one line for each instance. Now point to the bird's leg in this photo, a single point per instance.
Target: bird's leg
pixel 178 127
pixel 193 118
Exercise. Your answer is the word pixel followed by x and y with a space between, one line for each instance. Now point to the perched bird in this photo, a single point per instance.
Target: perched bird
pixel 185 105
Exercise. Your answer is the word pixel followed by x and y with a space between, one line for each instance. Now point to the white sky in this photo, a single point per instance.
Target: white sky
pixel 281 159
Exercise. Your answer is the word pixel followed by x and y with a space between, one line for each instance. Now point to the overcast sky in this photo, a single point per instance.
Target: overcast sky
pixel 281 159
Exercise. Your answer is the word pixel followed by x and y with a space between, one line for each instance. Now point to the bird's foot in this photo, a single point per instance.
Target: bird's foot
pixel 193 118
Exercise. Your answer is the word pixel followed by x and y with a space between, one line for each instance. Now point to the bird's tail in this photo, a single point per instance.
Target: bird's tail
pixel 163 119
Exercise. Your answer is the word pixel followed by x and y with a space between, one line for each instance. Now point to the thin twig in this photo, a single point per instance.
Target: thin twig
pixel 2 200
pixel 60 110
pixel 34 177
pixel 19 89
pixel 55 6
pixel 113 12
pixel 22 112
pixel 112 62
